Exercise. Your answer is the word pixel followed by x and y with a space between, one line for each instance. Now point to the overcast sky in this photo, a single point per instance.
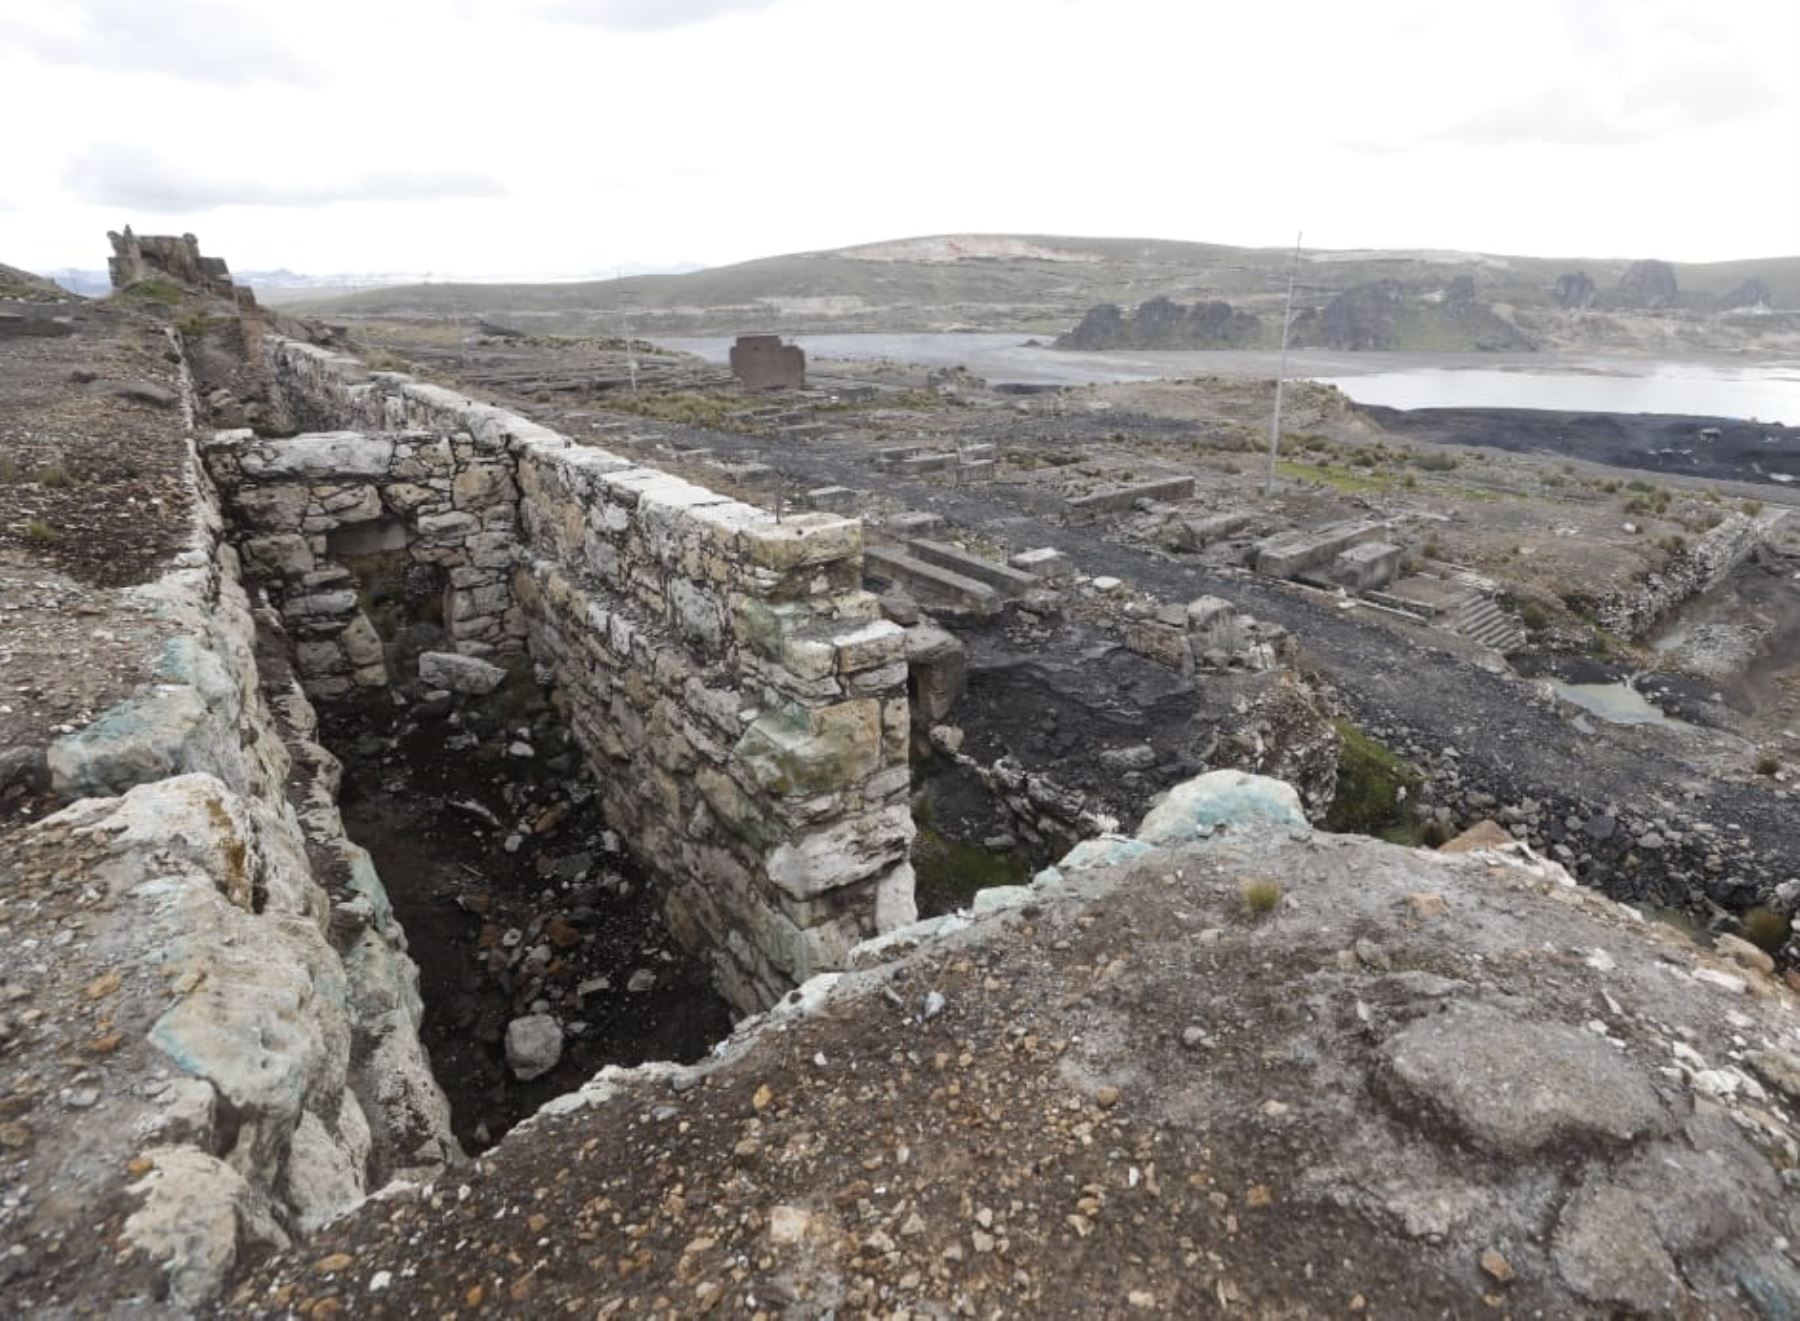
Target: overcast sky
pixel 562 136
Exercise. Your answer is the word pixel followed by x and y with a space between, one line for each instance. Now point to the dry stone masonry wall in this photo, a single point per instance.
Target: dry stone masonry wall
pixel 264 997
pixel 1690 573
pixel 740 700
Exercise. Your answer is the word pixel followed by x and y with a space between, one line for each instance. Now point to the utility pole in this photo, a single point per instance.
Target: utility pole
pixel 631 362
pixel 1287 324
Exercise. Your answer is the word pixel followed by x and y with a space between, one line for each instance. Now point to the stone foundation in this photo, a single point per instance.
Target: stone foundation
pixel 740 700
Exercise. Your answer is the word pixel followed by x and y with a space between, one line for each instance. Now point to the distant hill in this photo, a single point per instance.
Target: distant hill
pixel 15 283
pixel 1045 284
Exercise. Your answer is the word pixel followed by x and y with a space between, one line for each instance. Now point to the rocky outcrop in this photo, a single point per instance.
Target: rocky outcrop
pixel 240 989
pixel 1648 284
pixel 1385 315
pixel 1575 290
pixel 1163 324
pixel 1486 1088
pixel 1752 293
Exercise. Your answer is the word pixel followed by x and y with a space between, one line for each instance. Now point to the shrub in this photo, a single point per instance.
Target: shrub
pixel 1768 764
pixel 1766 928
pixel 1261 897
pixel 56 478
pixel 1436 462
pixel 1752 508
pixel 39 531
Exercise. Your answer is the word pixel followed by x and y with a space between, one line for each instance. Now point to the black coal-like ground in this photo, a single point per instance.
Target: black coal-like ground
pixel 435 802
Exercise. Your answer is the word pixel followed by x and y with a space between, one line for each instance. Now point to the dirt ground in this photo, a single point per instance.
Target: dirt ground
pixel 1163 1103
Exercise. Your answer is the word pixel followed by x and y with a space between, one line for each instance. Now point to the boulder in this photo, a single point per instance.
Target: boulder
pixel 534 1046
pixel 459 674
pixel 1197 807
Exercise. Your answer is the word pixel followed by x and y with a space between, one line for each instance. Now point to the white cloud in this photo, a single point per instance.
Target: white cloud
pixel 650 15
pixel 113 174
pixel 720 130
pixel 200 40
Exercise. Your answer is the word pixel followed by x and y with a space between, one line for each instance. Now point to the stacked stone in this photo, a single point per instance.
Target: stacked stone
pixel 735 688
pixel 742 686
pixel 1633 611
pixel 1208 634
pixel 308 507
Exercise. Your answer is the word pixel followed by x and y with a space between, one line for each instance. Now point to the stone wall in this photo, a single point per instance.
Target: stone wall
pixel 740 700
pixel 408 525
pixel 267 1071
pixel 1701 567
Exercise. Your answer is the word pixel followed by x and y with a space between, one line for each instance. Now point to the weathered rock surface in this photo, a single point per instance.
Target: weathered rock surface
pixel 1648 284
pixel 534 1044
pixel 1128 1087
pixel 460 674
pixel 1161 323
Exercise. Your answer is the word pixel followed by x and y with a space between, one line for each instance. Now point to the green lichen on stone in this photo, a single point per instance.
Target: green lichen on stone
pixel 1369 798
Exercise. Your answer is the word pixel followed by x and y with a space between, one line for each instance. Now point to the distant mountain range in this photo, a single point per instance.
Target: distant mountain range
pixel 284 286
pixel 1046 285
pixel 1132 293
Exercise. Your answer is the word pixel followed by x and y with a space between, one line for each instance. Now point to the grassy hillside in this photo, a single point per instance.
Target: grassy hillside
pixel 1035 282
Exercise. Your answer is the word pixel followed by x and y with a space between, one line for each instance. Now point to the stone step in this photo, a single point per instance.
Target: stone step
pixel 932 584
pixel 1010 582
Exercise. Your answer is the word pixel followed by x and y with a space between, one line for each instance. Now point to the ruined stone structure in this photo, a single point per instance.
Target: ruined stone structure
pixel 175 258
pixel 740 700
pixel 763 362
pixel 1697 569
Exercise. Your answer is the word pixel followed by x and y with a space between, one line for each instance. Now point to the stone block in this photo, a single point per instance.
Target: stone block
pixel 1204 613
pixel 842 854
pixel 1047 564
pixel 459 674
pixel 1162 643
pixel 285 554
pixel 1367 567
pixel 331 454
pixel 802 541
pixel 479 487
pixel 876 644
pixel 799 751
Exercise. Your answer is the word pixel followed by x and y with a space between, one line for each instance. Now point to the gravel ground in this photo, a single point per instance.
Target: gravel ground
pixel 1417 1087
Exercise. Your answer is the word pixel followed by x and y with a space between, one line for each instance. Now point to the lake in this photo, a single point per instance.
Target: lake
pixel 1764 391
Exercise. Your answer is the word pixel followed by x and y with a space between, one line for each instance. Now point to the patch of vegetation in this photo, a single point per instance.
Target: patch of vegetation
pixel 690 408
pixel 1752 508
pixel 192 325
pixel 1376 790
pixel 1340 479
pixel 55 478
pixel 386 360
pixel 1261 897
pixel 165 292
pixel 1436 462
pixel 1766 929
pixel 40 532
pixel 1768 764
pixel 948 872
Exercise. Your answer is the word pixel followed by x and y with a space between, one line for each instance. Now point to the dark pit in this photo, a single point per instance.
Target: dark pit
pixel 516 899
